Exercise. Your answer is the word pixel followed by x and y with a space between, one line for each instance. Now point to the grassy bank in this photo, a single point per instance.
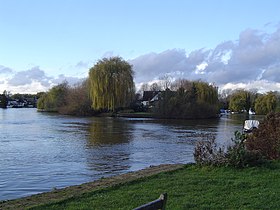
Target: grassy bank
pixel 188 187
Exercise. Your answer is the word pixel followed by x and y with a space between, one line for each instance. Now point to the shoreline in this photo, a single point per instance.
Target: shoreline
pixel 78 190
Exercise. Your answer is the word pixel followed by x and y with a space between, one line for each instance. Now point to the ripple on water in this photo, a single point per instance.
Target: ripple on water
pixel 40 151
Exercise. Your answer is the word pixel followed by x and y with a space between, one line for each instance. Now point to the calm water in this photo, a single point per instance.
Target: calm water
pixel 41 151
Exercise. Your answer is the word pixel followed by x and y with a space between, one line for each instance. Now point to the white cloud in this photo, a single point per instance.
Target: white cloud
pixel 200 68
pixel 272 73
pixel 262 86
pixel 252 59
pixel 150 66
pixel 34 74
pixel 5 70
pixel 32 81
pixel 62 78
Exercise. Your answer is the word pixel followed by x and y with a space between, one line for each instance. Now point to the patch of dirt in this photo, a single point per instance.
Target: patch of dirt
pixel 78 190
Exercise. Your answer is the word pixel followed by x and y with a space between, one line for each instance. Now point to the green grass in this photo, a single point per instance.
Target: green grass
pixel 192 187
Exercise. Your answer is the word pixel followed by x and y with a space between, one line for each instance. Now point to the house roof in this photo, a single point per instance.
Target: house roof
pixel 149 95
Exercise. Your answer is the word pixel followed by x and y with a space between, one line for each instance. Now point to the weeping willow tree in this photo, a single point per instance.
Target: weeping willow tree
pixel 111 84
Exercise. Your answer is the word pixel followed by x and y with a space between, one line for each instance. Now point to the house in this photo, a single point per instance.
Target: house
pixel 149 97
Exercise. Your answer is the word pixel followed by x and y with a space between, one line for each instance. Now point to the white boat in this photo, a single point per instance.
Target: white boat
pixel 250 125
pixel 225 112
pixel 251 112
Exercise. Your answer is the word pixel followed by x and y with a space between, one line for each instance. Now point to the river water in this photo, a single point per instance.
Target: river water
pixel 42 151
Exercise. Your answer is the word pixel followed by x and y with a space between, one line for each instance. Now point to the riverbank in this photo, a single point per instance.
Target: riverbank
pixel 58 195
pixel 187 186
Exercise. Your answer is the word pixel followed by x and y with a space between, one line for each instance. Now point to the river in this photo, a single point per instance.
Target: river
pixel 42 151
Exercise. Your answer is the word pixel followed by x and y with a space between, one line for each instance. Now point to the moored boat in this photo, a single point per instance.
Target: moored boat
pixel 251 112
pixel 250 125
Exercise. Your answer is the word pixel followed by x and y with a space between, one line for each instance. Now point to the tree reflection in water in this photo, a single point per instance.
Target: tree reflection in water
pixel 108 145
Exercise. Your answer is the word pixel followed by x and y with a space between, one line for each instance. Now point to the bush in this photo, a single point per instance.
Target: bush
pixel 77 101
pixel 207 152
pixel 236 155
pixel 247 150
pixel 239 156
pixel 266 139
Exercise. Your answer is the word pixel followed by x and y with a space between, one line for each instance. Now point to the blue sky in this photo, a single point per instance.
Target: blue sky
pixel 44 42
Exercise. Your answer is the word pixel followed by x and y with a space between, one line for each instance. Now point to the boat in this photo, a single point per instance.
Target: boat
pixel 250 125
pixel 225 112
pixel 251 112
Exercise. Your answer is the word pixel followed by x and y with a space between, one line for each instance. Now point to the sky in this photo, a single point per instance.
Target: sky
pixel 229 43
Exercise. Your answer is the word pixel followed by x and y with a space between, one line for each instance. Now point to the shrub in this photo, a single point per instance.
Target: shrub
pixel 266 139
pixel 236 155
pixel 77 101
pixel 207 152
pixel 239 156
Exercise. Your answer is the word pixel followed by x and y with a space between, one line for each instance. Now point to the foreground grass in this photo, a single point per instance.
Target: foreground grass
pixel 187 188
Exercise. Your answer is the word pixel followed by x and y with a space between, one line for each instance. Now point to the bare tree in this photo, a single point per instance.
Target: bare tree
pixel 144 87
pixel 166 81
pixel 181 83
pixel 155 87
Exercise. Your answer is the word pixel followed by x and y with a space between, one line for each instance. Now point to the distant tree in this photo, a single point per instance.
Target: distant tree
pixel 111 84
pixel 206 93
pixel 266 103
pixel 77 101
pixel 54 98
pixel 155 87
pixel 240 100
pixel 3 100
pixel 17 96
pixel 165 81
pixel 277 109
pixel 197 100
pixel 144 87
pixel 39 94
pixel 181 83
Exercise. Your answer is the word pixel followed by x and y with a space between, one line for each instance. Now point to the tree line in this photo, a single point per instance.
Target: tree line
pixel 110 88
pixel 192 100
pixel 26 99
pixel 244 100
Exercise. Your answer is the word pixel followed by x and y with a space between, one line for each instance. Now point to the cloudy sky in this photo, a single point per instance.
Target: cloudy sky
pixel 234 44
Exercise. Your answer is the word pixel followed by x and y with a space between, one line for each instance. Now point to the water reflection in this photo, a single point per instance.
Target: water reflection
pixel 104 131
pixel 108 146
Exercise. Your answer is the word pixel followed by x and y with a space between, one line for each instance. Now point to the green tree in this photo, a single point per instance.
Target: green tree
pixel 192 100
pixel 277 109
pixel 240 100
pixel 111 84
pixel 206 93
pixel 54 98
pixel 3 100
pixel 266 103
